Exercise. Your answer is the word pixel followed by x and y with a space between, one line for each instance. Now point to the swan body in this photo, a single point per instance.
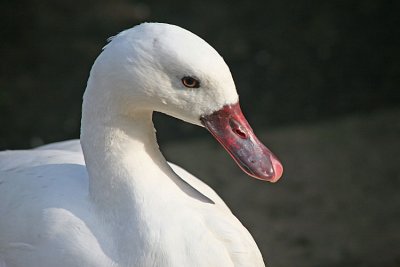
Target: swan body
pixel 111 199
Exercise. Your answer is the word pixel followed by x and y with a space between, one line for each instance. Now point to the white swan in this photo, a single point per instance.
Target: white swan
pixel 127 206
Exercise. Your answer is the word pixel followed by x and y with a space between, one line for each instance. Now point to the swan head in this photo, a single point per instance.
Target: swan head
pixel 162 67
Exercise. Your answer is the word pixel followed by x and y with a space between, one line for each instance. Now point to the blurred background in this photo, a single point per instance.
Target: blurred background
pixel 318 80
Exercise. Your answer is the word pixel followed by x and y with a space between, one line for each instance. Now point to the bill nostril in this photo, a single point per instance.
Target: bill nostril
pixel 240 133
pixel 237 129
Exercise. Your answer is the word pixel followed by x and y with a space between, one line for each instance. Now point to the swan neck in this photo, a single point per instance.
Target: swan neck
pixel 121 155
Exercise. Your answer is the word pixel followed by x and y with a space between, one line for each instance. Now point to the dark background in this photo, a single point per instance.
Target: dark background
pixel 293 61
pixel 321 76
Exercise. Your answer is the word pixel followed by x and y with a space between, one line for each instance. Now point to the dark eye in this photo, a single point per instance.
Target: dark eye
pixel 190 82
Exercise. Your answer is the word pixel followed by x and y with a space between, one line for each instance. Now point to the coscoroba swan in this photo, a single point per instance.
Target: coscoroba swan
pixel 119 203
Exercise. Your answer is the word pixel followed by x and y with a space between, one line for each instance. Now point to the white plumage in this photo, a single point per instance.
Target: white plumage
pixel 126 206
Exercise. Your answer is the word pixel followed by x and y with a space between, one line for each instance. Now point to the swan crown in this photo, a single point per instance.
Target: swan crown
pixel 144 67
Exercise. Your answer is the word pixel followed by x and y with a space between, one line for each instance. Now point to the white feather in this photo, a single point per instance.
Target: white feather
pixel 118 202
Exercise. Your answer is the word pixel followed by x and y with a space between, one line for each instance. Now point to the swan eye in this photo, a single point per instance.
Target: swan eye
pixel 190 82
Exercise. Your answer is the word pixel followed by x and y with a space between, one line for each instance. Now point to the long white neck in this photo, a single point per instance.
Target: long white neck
pixel 131 185
pixel 125 166
pixel 121 156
